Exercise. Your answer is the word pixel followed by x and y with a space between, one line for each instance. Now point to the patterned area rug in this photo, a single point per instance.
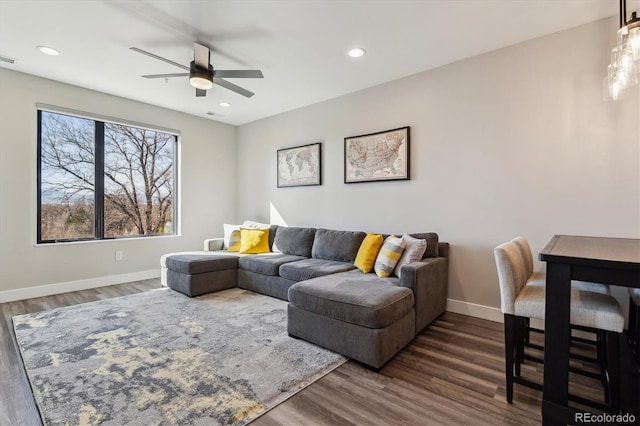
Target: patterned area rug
pixel 159 357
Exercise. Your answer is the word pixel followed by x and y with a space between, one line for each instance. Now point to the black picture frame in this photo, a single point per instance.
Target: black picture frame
pixel 376 157
pixel 307 159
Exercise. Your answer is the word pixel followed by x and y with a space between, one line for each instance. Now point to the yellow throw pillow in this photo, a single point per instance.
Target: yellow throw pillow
pixel 234 241
pixel 254 240
pixel 368 252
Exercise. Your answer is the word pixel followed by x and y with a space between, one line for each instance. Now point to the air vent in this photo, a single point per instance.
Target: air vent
pixel 7 60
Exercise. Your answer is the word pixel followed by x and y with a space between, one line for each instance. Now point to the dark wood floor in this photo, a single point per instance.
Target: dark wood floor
pixel 451 373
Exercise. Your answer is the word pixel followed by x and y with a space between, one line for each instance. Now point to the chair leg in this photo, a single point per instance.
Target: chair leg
pixel 510 324
pixel 633 331
pixel 613 370
pixel 520 337
pixel 601 351
pixel 636 312
pixel 633 321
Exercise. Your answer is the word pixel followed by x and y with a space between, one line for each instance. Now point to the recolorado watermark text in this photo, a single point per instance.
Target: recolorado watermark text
pixel 605 418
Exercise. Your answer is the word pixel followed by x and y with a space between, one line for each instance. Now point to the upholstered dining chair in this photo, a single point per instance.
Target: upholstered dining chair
pixel 537 278
pixel 520 302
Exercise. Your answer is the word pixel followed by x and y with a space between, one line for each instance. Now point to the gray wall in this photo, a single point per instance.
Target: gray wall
pixel 207 186
pixel 513 142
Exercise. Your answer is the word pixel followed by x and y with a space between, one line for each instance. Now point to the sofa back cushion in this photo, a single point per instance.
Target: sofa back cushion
pixel 341 246
pixel 295 241
pixel 273 230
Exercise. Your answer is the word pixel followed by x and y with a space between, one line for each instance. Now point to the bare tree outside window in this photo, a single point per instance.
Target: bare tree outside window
pixel 67 177
pixel 138 166
pixel 137 189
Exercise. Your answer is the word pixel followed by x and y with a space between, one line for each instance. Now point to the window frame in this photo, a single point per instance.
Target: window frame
pixel 99 187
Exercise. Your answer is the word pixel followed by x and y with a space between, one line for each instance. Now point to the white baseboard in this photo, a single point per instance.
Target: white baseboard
pixel 65 287
pixel 474 310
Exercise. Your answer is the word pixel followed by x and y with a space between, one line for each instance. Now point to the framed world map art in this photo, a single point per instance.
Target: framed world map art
pixel 299 166
pixel 377 156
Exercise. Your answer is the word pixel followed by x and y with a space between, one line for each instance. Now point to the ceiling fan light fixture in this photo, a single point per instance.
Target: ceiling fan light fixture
pixel 201 82
pixel 201 73
pixel 200 78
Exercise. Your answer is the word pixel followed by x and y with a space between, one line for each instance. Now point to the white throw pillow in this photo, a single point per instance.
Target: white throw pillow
pixel 255 225
pixel 228 230
pixel 414 249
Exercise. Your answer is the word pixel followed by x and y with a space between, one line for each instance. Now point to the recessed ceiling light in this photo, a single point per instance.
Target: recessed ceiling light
pixel 356 52
pixel 48 50
pixel 211 113
pixel 225 104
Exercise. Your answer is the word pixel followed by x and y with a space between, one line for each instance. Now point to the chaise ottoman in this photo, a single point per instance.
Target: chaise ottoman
pixel 364 317
pixel 196 274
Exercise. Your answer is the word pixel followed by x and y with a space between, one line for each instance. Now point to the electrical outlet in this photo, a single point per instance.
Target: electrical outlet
pixel 119 256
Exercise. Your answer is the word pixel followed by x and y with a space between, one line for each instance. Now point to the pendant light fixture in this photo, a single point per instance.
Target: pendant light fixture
pixel 622 72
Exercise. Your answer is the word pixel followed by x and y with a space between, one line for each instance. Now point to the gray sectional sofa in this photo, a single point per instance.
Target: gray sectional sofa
pixel 331 302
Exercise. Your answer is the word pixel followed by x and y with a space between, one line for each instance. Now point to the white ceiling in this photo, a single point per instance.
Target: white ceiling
pixel 299 45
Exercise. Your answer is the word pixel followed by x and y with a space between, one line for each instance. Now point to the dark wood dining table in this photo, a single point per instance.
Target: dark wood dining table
pixel 614 261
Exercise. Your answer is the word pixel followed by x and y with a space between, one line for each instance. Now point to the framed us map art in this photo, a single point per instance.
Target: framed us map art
pixel 377 156
pixel 299 166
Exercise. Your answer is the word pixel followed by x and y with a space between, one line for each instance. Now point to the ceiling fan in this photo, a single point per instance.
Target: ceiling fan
pixel 201 74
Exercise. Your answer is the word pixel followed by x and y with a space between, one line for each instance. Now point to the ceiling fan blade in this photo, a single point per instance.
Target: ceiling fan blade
pixel 201 92
pixel 238 74
pixel 201 55
pixel 182 74
pixel 228 85
pixel 160 58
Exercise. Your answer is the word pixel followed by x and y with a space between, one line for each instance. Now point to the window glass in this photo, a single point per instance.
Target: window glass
pixel 67 165
pixel 138 181
pixel 100 180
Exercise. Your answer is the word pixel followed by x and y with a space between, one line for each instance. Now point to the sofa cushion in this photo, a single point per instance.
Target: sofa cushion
pixel 234 240
pixel 368 252
pixel 255 225
pixel 295 241
pixel 266 264
pixel 353 297
pixel 312 268
pixel 389 255
pixel 259 225
pixel 273 230
pixel 254 240
pixel 200 263
pixel 414 249
pixel 228 231
pixel 341 246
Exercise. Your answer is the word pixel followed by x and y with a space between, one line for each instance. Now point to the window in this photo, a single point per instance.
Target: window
pixel 102 180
